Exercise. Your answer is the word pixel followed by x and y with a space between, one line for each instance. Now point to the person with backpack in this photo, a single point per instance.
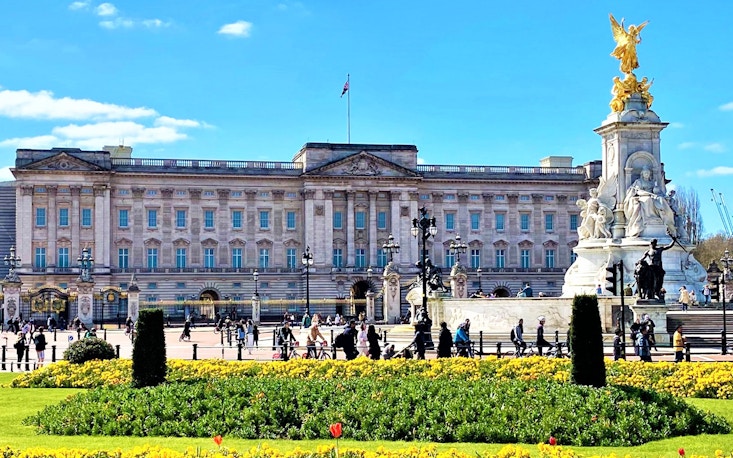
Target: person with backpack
pixel 39 340
pixel 517 336
pixel 445 341
pixel 347 341
pixel 284 338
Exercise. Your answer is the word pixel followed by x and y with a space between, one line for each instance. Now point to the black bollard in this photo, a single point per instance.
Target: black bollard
pixel 54 335
pixel 557 337
pixel 481 342
pixel 117 351
pixel 687 351
pixel 221 337
pixel 3 358
pixel 105 334
pixel 723 343
pixel 195 348
pixel 27 358
pixel 239 352
pixel 333 345
pixel 78 334
pixel 53 353
pixel 498 349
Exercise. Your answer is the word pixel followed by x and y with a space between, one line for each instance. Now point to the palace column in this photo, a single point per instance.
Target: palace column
pixel 138 221
pixel 372 258
pixel 52 225
pixel 223 228
pixel 102 228
pixel 75 224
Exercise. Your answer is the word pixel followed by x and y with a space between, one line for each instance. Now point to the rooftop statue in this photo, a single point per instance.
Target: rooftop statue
pixel 626 42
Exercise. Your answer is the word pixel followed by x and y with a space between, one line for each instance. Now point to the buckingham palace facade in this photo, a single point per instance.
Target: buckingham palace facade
pixel 198 229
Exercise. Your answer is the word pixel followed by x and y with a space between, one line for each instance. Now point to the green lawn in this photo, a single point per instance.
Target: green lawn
pixel 19 403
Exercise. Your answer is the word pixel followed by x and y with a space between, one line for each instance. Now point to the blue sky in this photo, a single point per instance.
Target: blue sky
pixel 468 82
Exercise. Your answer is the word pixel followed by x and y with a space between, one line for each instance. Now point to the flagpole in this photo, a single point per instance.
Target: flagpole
pixel 348 110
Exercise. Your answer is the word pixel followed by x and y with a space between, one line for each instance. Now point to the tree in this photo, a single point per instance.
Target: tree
pixel 148 353
pixel 689 206
pixel 586 342
pixel 712 248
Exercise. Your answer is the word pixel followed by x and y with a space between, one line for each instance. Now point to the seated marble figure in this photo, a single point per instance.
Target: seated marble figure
pixel 645 204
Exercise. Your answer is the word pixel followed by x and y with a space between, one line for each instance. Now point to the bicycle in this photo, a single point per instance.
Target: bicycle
pixel 466 350
pixel 292 354
pixel 321 352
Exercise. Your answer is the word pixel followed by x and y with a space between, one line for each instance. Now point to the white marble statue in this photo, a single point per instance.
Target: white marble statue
pixel 597 211
pixel 645 204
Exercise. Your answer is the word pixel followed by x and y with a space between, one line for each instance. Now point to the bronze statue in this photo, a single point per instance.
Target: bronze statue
pixel 650 273
pixel 626 42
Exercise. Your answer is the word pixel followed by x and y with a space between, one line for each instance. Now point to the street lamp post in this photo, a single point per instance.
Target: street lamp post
pixel 85 262
pixel 256 277
pixel 422 229
pixel 478 275
pixel 391 247
pixel 725 260
pixel 369 278
pixel 307 262
pixel 13 262
pixel 458 248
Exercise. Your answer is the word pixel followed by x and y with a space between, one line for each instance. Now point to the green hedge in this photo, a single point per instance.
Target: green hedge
pixel 409 408
pixel 88 349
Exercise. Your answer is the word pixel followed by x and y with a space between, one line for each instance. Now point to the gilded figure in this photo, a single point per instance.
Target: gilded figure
pixel 626 42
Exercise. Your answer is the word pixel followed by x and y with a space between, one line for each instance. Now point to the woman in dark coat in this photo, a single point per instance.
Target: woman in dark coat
pixel 373 338
pixel 445 341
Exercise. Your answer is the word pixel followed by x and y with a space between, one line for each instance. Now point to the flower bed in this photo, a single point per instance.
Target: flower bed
pixel 704 380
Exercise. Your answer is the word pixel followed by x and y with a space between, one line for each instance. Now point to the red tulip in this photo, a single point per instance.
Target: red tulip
pixel 681 451
pixel 335 430
pixel 218 439
pixel 552 440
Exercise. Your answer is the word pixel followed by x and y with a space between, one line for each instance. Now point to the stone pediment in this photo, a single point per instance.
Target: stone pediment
pixel 64 162
pixel 362 164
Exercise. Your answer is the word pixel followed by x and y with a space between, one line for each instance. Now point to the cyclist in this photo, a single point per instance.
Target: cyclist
pixel 311 339
pixel 284 339
pixel 541 342
pixel 461 341
pixel 518 340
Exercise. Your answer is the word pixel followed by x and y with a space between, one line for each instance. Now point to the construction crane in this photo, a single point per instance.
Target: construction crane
pixel 723 212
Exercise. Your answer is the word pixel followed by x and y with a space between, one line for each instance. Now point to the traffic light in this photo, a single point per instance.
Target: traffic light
pixel 612 279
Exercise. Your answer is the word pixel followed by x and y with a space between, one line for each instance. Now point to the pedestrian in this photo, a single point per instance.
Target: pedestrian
pixel 419 342
pixel 678 342
pixel 599 290
pixel 285 338
pixel 445 341
pixel 618 345
pixel 541 342
pixel 20 347
pixel 349 341
pixel 648 323
pixel 462 342
pixel 635 330
pixel 389 351
pixel 39 340
pixel 250 335
pixel 645 349
pixel 256 336
pixel 362 340
pixel 186 334
pixel 693 297
pixel 684 298
pixel 706 294
pixel 373 338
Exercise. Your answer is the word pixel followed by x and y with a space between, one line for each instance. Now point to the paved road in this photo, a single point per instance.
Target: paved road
pixel 209 344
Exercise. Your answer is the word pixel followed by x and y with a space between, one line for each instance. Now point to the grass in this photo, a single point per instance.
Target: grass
pixel 20 403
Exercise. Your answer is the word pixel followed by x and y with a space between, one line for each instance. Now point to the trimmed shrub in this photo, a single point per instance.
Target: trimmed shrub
pixel 148 353
pixel 88 349
pixel 586 342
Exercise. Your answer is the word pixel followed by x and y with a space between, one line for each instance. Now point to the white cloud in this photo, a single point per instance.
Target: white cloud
pixel 168 121
pixel 106 9
pixel 117 23
pixel 154 23
pixel 78 5
pixel 686 145
pixel 676 125
pixel 43 105
pixel 715 147
pixel 6 174
pixel 40 142
pixel 715 171
pixel 727 106
pixel 132 132
pixel 236 29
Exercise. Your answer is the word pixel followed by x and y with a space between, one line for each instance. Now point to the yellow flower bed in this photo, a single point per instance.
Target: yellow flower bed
pixel 265 451
pixel 705 380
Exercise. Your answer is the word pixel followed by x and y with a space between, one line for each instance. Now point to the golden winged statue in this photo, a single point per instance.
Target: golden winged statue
pixel 626 42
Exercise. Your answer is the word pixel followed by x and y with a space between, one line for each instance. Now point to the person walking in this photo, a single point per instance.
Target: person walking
pixel 419 342
pixel 39 340
pixel 645 349
pixel 678 342
pixel 249 332
pixel 186 334
pixel 445 341
pixel 373 338
pixel 706 294
pixel 518 340
pixel 541 342
pixel 20 347
pixel 349 341
pixel 362 340
pixel 618 345
pixel 256 336
pixel 684 298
